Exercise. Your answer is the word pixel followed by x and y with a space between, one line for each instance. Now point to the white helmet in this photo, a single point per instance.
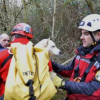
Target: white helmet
pixel 90 23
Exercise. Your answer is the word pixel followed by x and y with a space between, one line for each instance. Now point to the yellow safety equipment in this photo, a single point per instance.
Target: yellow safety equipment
pixel 58 82
pixel 29 65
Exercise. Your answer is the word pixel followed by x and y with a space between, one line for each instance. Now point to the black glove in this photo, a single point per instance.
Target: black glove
pixel 56 67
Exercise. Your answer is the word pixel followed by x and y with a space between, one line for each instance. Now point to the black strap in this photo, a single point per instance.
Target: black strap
pixel 92 36
pixel 4 62
pixel 76 72
pixel 87 71
pixel 93 60
pixel 31 89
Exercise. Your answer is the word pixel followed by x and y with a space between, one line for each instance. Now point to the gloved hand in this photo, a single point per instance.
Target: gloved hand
pixel 56 67
pixel 58 82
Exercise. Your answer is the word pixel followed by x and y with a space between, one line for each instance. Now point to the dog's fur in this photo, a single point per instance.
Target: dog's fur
pixel 49 45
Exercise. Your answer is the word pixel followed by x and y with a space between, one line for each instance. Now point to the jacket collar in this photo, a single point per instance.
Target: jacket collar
pixel 1 47
pixel 88 52
pixel 20 40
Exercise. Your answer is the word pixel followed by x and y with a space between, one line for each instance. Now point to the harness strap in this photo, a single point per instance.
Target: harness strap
pixel 92 37
pixel 5 61
pixel 31 89
pixel 31 82
pixel 76 74
pixel 93 60
pixel 87 71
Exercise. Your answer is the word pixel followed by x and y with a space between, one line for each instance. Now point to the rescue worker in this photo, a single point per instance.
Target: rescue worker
pixel 4 41
pixel 21 33
pixel 84 70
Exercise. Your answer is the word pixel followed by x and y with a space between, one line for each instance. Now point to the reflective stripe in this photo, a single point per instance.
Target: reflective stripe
pixel 97 64
pixel 78 57
pixel 9 51
pixel 84 59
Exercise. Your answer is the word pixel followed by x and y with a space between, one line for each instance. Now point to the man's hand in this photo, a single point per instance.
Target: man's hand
pixel 58 82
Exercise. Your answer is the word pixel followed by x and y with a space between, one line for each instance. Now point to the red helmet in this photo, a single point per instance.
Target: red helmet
pixel 23 29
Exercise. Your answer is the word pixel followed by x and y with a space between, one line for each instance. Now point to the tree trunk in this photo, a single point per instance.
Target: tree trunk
pixel 53 20
pixel 90 5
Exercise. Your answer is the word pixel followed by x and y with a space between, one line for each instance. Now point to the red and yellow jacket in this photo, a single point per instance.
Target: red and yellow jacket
pixel 84 73
pixel 5 58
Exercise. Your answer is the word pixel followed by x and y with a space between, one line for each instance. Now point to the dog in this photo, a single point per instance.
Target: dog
pixel 50 46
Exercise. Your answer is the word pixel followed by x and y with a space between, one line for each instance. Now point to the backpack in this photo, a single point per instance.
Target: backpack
pixel 28 77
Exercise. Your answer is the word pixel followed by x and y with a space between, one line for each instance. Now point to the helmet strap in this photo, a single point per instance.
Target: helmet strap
pixel 94 41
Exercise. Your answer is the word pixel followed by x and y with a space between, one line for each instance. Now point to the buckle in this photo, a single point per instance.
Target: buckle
pixel 77 79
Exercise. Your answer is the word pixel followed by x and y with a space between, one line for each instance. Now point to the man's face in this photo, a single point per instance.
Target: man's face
pixel 86 38
pixel 4 41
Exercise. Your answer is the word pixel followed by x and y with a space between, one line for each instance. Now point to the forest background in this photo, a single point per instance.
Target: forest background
pixel 57 19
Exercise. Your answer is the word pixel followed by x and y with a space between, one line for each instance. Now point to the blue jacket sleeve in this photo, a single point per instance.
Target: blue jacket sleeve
pixel 58 67
pixel 82 87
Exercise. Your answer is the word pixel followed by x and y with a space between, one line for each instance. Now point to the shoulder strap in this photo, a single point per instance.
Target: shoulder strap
pixel 31 82
pixel 76 72
pixel 4 62
pixel 93 60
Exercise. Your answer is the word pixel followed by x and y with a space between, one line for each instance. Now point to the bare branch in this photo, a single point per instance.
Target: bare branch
pixel 90 5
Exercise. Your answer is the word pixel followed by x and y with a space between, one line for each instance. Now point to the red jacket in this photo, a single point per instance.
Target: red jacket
pixel 4 70
pixel 86 68
pixel 5 67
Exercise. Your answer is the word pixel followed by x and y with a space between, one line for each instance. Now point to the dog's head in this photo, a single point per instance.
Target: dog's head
pixel 49 45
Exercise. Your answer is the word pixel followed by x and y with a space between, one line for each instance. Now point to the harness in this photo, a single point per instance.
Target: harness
pixel 76 74
pixel 5 61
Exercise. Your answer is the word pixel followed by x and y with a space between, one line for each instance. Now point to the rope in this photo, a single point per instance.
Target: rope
pixel 68 60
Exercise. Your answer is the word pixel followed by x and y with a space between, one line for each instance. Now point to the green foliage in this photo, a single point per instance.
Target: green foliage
pixel 60 95
pixel 68 1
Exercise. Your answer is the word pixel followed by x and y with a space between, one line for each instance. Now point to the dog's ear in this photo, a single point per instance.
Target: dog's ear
pixel 47 42
pixel 48 39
